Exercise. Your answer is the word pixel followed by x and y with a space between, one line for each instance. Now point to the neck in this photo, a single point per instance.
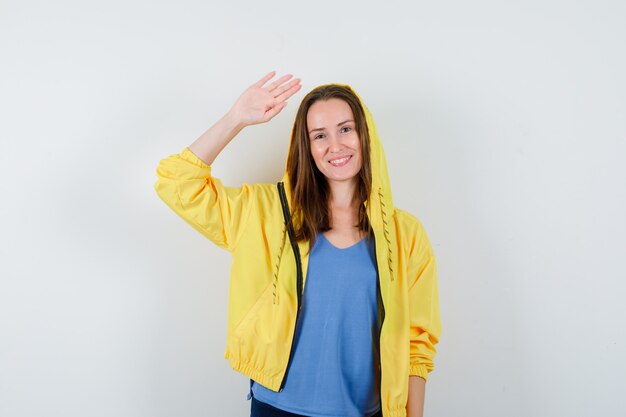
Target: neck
pixel 342 194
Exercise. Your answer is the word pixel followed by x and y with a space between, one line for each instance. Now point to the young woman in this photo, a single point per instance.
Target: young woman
pixel 333 301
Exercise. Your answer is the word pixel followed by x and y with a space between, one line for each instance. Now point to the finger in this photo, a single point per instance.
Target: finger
pixel 263 80
pixel 287 86
pixel 293 90
pixel 278 82
pixel 275 110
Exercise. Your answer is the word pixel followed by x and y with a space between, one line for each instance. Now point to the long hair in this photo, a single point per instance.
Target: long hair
pixel 309 188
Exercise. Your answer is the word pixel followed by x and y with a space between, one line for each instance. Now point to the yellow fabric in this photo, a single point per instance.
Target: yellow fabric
pixel 248 222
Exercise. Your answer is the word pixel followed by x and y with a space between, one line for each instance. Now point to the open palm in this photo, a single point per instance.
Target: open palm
pixel 259 104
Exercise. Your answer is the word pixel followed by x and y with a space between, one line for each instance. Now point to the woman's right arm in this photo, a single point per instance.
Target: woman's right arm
pixel 185 182
pixel 257 104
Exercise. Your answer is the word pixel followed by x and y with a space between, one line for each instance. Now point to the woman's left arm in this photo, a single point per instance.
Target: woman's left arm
pixel 425 321
pixel 415 405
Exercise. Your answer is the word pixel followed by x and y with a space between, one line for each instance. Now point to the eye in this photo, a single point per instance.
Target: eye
pixel 318 136
pixel 346 127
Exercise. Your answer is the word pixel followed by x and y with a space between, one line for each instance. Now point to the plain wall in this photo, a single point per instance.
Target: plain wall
pixel 504 126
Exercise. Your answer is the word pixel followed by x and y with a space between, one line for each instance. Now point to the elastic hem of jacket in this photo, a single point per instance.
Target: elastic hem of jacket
pixel 399 411
pixel 253 373
pixel 418 369
pixel 188 155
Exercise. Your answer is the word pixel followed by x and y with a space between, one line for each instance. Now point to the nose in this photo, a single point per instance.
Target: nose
pixel 334 143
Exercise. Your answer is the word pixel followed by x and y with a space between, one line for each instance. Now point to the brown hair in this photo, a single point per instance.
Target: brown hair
pixel 309 187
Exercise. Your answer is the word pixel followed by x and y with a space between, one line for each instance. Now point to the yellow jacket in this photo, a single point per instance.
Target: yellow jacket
pixel 268 278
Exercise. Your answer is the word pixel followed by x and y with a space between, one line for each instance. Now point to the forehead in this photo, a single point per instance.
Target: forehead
pixel 328 113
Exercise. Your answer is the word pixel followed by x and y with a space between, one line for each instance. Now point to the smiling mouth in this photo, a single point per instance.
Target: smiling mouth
pixel 340 161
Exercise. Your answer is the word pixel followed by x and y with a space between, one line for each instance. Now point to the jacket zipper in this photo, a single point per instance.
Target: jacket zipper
pixel 380 330
pixel 296 252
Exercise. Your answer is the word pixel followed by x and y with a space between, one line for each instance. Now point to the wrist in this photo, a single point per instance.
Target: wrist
pixel 233 122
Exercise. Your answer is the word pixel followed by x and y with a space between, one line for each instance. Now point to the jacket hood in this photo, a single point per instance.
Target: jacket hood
pixel 379 206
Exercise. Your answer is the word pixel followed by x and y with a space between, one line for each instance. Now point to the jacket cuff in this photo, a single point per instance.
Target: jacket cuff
pixel 417 369
pixel 189 156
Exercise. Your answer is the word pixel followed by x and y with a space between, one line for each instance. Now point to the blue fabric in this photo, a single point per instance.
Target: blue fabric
pixel 334 366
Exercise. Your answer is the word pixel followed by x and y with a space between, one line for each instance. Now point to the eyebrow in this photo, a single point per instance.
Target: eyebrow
pixel 338 124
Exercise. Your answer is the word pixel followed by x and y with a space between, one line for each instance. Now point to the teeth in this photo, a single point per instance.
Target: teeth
pixel 339 161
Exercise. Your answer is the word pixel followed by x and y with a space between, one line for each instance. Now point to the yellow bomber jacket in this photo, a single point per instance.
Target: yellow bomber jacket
pixel 268 272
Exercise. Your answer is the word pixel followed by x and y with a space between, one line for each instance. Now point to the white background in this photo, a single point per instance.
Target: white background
pixel 504 125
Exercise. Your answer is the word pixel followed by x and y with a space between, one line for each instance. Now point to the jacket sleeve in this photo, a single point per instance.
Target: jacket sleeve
pixel 423 305
pixel 185 184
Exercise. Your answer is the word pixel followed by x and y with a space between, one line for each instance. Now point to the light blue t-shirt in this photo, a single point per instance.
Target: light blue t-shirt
pixel 334 366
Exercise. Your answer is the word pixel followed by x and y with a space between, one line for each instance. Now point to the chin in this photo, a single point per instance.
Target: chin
pixel 343 177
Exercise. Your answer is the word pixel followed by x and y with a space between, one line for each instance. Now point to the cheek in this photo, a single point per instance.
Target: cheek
pixel 360 164
pixel 316 154
pixel 356 145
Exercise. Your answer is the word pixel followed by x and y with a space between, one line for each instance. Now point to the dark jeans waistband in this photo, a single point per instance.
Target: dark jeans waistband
pixel 261 409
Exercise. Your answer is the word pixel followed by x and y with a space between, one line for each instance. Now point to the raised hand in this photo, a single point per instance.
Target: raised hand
pixel 259 103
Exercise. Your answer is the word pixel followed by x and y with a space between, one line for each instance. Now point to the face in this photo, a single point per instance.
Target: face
pixel 335 144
